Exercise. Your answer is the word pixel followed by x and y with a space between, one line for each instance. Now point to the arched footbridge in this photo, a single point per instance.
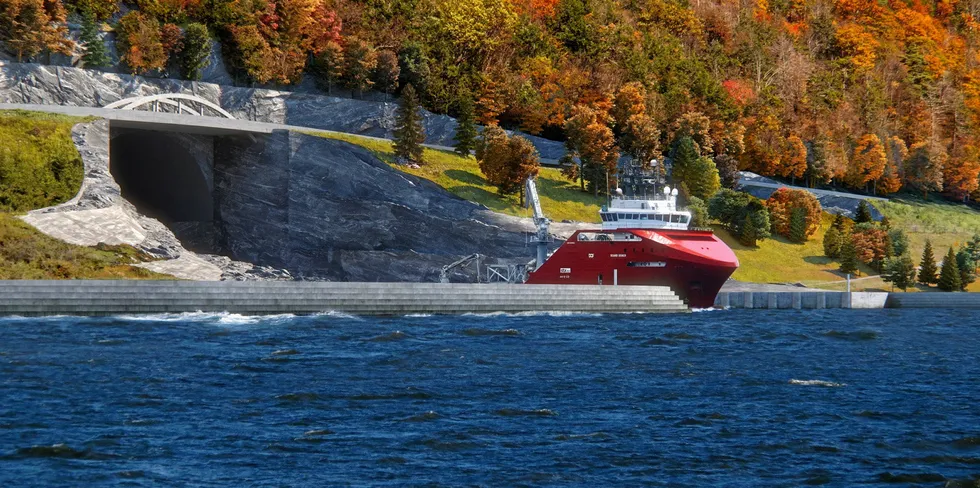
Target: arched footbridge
pixel 178 103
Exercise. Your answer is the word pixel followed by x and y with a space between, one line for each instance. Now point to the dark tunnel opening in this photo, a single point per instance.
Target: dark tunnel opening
pixel 160 176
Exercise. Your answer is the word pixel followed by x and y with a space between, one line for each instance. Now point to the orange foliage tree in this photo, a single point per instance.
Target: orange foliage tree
pixel 793 162
pixel 781 205
pixel 141 43
pixel 960 174
pixel 871 243
pixel 277 38
pixel 28 27
pixel 763 141
pixel 868 163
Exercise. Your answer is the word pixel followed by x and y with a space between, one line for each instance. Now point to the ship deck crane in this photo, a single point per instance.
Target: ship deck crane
pixel 444 274
pixel 541 223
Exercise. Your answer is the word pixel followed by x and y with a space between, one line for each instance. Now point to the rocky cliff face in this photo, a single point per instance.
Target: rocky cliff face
pixel 58 85
pixel 328 209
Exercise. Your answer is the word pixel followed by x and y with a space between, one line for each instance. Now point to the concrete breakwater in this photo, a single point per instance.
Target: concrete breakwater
pixel 38 298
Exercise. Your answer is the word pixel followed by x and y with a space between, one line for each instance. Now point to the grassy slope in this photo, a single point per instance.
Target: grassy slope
pixel 39 167
pixel 774 261
pixel 560 199
pixel 945 224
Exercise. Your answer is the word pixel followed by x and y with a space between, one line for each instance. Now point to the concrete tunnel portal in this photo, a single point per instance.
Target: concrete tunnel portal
pixel 160 174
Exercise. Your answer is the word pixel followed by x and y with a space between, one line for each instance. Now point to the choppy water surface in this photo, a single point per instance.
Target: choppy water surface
pixel 737 398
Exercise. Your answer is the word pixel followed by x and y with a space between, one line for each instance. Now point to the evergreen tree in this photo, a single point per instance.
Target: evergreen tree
pixel 885 223
pixel 973 247
pixel 848 256
pixel 702 179
pixel 949 276
pixel 927 266
pixel 899 242
pixel 863 213
pixel 900 272
pixel 832 243
pixel 967 267
pixel 699 213
pixel 797 225
pixel 749 233
pixel 466 130
pixel 684 160
pixel 94 54
pixel 840 222
pixel 409 131
pixel 197 48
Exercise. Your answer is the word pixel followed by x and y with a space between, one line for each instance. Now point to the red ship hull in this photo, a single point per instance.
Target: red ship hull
pixel 694 264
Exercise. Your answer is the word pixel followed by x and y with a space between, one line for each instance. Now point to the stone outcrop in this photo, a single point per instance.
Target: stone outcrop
pixel 59 85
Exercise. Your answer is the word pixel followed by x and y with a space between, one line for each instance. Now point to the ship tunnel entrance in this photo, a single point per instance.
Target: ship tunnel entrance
pixel 160 176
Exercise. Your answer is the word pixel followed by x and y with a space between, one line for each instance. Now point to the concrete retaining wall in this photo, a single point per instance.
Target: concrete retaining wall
pixel 34 298
pixel 933 300
pixel 800 300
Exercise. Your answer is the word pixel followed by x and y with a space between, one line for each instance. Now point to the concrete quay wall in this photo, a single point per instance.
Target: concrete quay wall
pixel 800 300
pixel 83 297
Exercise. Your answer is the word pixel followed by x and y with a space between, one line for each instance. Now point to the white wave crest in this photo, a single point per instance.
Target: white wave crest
pixel 829 384
pixel 337 314
pixel 553 313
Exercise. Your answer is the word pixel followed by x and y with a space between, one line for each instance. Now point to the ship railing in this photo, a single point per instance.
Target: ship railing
pixel 506 273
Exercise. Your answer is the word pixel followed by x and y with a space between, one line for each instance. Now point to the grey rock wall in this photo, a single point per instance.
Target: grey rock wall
pixel 325 209
pixel 59 85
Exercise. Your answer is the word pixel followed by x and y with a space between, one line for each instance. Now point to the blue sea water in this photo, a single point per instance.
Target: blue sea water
pixel 717 398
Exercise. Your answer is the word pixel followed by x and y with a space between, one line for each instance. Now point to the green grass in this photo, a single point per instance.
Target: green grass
pixel 777 260
pixel 39 164
pixel 560 199
pixel 40 167
pixel 945 224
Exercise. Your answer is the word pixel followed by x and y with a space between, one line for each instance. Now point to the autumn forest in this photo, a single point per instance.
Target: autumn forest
pixel 877 96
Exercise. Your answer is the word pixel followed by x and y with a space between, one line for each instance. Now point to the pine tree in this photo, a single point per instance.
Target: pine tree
pixel 885 223
pixel 840 222
pixel 749 232
pixel 949 276
pixel 94 52
pixel 927 266
pixel 900 272
pixel 797 225
pixel 409 131
pixel 832 243
pixel 863 213
pixel 466 130
pixel 967 267
pixel 197 48
pixel 848 256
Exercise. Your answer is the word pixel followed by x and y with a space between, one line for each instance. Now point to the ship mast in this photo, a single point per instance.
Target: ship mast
pixel 541 222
